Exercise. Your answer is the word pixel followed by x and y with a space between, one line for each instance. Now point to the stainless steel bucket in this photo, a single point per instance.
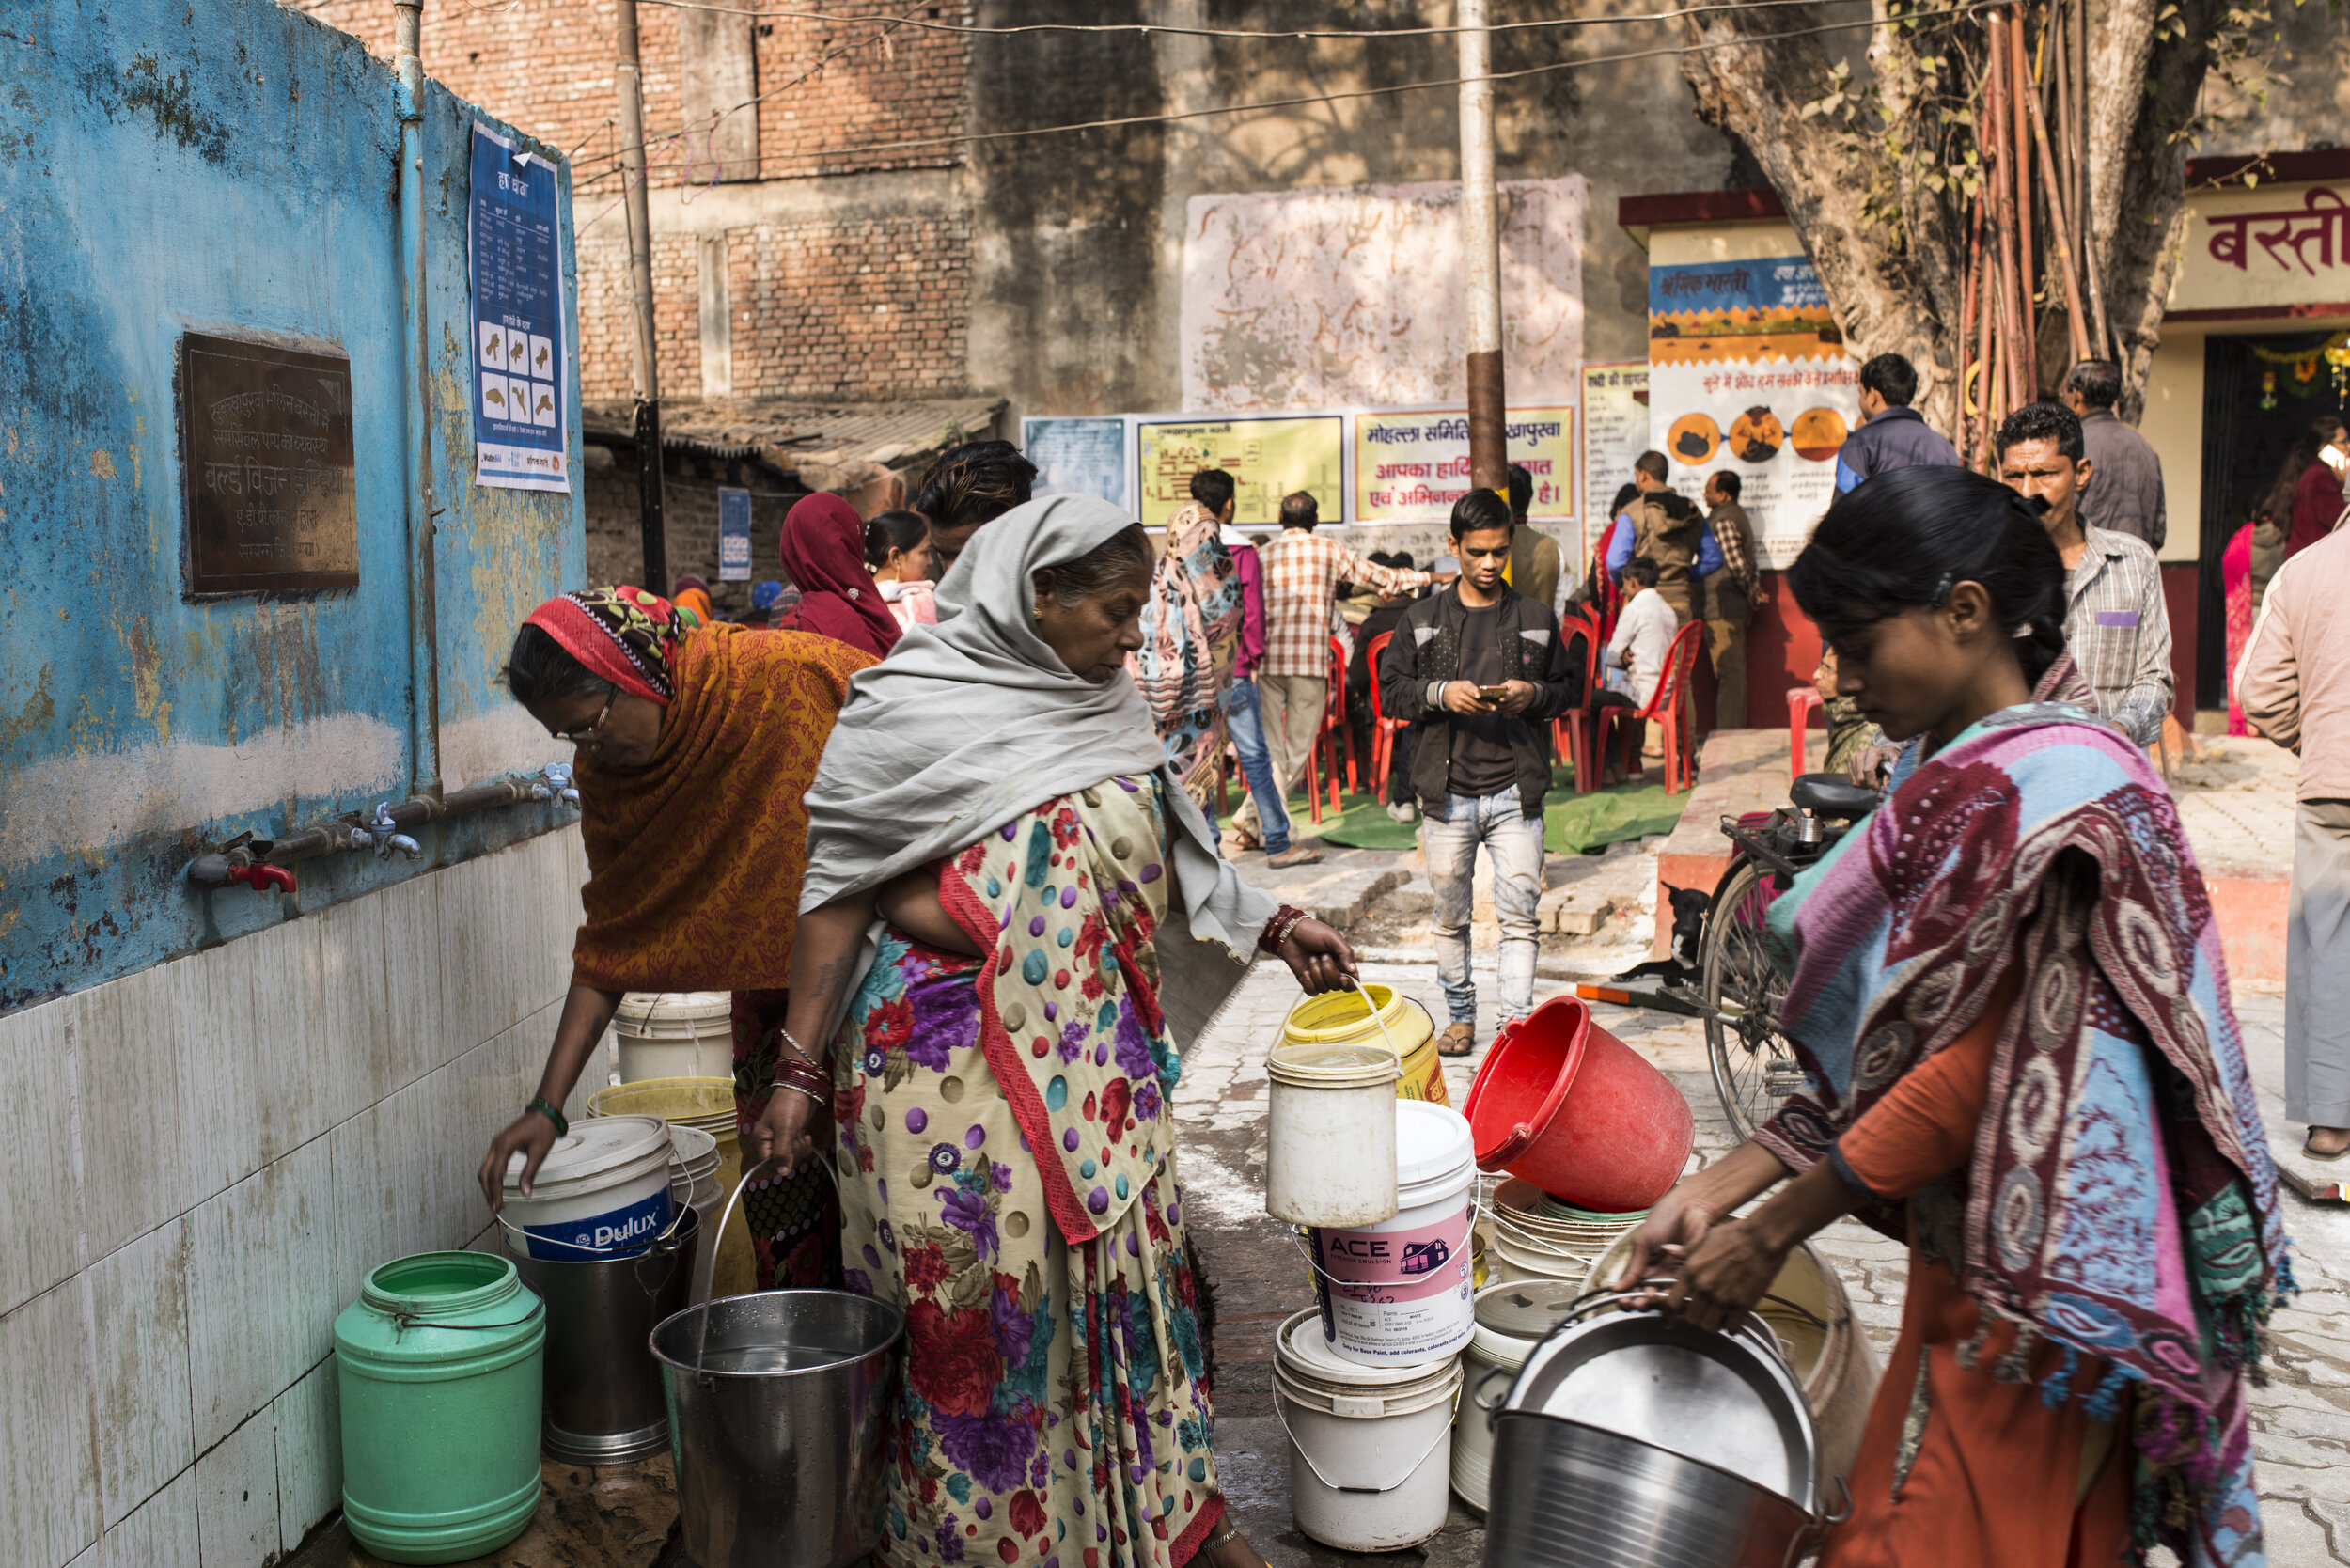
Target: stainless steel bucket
pixel 779 1404
pixel 1569 1496
pixel 604 1396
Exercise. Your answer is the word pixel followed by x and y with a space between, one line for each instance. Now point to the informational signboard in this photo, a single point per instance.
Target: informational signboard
pixel 1747 372
pixel 1083 455
pixel 1268 457
pixel 1614 433
pixel 520 375
pixel 2268 246
pixel 267 465
pixel 1411 466
pixel 734 535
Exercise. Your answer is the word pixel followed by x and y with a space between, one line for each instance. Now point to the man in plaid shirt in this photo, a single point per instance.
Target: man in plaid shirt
pixel 2116 625
pixel 1301 577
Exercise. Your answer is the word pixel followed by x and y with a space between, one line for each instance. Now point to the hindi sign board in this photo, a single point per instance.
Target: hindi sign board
pixel 267 468
pixel 1078 456
pixel 734 535
pixel 1268 457
pixel 2265 246
pixel 520 363
pixel 1410 465
pixel 1747 372
pixel 1614 433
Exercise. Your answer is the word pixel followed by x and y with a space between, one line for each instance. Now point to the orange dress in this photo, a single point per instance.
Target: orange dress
pixel 1990 1474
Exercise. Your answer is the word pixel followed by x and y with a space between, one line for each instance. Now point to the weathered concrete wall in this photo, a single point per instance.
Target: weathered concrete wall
pixel 219 1109
pixel 228 170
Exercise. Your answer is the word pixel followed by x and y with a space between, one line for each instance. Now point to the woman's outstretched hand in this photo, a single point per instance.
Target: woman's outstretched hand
pixel 530 1133
pixel 1725 1276
pixel 1670 1232
pixel 1319 957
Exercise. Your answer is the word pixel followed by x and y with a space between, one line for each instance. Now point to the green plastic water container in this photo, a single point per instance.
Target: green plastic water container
pixel 440 1361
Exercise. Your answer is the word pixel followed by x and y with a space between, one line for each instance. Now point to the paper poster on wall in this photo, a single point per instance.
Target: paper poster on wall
pixel 1410 465
pixel 1747 372
pixel 1078 456
pixel 734 535
pixel 515 253
pixel 1268 458
pixel 1614 433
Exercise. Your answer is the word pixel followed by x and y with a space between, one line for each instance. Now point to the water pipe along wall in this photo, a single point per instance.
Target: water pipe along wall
pixel 220 1104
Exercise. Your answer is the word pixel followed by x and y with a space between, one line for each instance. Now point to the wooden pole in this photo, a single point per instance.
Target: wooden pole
pixel 2002 155
pixel 652 530
pixel 2019 90
pixel 2059 235
pixel 1480 256
pixel 1965 326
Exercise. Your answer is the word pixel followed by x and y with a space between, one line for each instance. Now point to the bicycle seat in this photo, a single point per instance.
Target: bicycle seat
pixel 1832 795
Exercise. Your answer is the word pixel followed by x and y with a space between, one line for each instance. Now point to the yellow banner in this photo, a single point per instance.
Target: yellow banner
pixel 1268 458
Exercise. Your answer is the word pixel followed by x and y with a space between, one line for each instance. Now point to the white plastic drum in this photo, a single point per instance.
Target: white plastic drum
pixel 1512 1319
pixel 1370 1447
pixel 1398 1292
pixel 675 1034
pixel 601 1192
pixel 1331 1119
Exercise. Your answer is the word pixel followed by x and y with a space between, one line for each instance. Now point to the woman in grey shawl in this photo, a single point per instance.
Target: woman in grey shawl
pixel 1015 919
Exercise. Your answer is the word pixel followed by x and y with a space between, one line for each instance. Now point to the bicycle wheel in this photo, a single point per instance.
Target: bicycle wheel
pixel 1754 1068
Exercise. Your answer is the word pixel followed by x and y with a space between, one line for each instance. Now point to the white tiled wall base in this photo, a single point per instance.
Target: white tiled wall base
pixel 199 1164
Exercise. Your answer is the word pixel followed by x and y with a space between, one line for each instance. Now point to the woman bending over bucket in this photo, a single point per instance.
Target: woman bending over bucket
pixel 696 746
pixel 2007 992
pixel 1055 925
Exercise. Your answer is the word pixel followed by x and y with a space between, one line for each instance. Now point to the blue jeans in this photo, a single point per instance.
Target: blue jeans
pixel 1242 720
pixel 1514 840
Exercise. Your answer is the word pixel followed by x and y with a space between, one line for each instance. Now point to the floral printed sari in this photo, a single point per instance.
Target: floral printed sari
pixel 1007 1177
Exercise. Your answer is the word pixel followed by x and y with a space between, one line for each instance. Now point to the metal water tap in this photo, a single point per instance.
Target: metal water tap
pixel 387 835
pixel 558 777
pixel 257 876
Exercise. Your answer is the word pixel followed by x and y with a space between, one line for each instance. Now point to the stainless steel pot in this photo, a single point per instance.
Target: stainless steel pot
pixel 1631 1440
pixel 778 1407
pixel 603 1400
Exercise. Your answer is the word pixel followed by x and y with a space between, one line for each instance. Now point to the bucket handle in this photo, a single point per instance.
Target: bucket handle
pixel 726 1216
pixel 1409 1471
pixel 1351 983
pixel 1298 1240
pixel 1483 1381
pixel 1813 1536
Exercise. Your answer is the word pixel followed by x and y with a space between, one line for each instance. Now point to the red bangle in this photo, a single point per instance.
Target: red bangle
pixel 1276 931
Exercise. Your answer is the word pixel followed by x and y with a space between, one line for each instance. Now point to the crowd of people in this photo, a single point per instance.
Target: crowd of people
pixel 943 820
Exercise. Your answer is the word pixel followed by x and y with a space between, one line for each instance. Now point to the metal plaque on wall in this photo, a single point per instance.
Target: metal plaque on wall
pixel 268 466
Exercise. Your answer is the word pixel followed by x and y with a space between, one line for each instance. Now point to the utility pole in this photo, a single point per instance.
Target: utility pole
pixel 630 81
pixel 1480 255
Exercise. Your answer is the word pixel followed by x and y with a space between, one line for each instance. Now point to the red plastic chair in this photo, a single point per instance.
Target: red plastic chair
pixel 1802 702
pixel 1574 734
pixel 1327 739
pixel 1383 729
pixel 1668 706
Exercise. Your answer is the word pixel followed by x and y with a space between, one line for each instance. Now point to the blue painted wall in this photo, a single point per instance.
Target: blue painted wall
pixel 231 168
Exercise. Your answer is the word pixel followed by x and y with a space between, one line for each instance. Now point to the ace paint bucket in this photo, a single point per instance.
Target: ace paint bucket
pixel 1399 1293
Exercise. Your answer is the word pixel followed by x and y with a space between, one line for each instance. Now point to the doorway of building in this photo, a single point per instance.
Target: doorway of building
pixel 2259 395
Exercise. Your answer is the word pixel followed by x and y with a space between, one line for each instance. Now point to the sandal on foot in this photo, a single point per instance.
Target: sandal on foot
pixel 1296 854
pixel 2310 1153
pixel 1458 1040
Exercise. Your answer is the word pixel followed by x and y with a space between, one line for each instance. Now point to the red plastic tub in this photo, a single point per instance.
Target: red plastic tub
pixel 1564 1103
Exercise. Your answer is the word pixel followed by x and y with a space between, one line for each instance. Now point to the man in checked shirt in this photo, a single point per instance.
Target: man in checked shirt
pixel 2116 625
pixel 1301 575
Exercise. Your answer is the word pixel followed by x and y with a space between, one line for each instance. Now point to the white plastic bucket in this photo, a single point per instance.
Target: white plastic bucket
pixel 1370 1447
pixel 675 1034
pixel 601 1192
pixel 1399 1293
pixel 696 1182
pixel 1330 1160
pixel 1512 1319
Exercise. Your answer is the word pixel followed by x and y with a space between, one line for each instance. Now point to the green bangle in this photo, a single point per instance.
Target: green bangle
pixel 547 1108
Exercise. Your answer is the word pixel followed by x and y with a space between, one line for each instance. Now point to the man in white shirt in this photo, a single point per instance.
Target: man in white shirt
pixel 1644 634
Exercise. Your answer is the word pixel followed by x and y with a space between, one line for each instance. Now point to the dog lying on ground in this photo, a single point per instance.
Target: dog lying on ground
pixel 1689 909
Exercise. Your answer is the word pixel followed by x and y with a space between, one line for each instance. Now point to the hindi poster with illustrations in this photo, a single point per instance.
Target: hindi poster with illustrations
pixel 521 378
pixel 1268 457
pixel 1410 465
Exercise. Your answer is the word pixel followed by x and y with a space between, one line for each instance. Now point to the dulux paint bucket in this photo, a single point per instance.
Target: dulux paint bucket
pixel 1370 1447
pixel 1398 1292
pixel 601 1192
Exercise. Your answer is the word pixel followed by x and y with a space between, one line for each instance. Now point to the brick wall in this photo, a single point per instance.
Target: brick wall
pixel 828 90
pixel 689 517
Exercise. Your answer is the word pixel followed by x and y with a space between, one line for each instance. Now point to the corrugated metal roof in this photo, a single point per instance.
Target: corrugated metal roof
pixel 784 434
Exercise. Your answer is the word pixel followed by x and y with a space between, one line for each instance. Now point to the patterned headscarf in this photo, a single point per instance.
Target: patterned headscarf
pixel 623 635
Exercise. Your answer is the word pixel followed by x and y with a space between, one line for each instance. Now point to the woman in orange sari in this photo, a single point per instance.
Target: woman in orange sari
pixel 2006 993
pixel 696 746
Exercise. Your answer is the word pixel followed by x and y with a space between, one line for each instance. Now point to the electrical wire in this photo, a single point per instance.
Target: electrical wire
pixel 1668 52
pixel 1249 33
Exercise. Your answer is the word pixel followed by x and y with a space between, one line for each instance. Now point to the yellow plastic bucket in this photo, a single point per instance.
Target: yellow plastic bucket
pixel 707 1103
pixel 1346 1018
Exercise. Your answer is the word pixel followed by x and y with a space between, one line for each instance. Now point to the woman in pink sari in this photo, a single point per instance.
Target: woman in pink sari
pixel 2235 586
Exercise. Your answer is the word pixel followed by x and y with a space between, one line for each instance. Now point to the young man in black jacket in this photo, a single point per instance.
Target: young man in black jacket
pixel 1479 670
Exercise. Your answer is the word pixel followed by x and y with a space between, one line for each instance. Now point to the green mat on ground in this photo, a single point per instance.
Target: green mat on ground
pixel 1572 823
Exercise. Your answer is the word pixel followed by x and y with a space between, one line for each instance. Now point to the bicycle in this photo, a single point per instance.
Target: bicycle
pixel 1737 991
